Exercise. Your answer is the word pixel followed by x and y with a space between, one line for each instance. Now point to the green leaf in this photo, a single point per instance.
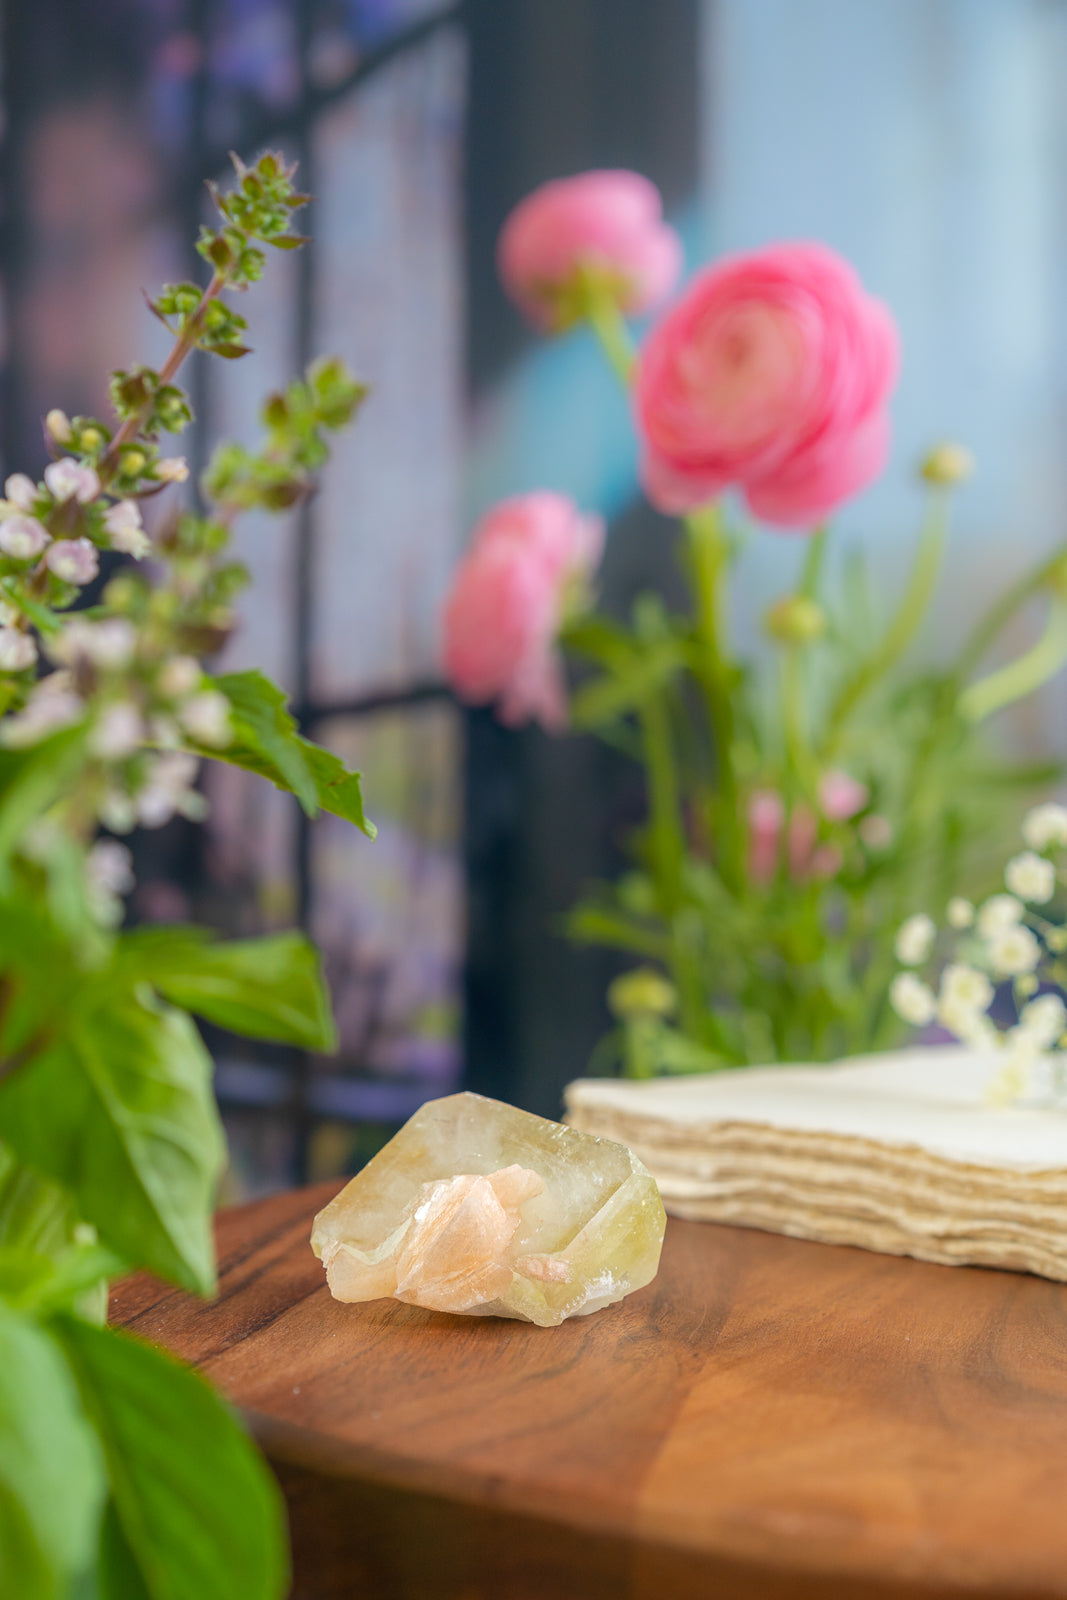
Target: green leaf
pixel 269 988
pixel 266 741
pixel 120 1112
pixel 198 1512
pixel 42 1284
pixel 611 696
pixel 51 1476
pixel 30 781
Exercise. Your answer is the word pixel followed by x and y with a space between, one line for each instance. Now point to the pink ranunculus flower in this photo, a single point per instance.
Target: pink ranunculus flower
pixel 609 223
pixel 770 374
pixel 508 598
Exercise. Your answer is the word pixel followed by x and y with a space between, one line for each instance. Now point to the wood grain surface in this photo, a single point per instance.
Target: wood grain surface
pixel 768 1419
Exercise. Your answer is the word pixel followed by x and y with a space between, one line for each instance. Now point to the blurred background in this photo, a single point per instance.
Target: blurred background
pixel 925 139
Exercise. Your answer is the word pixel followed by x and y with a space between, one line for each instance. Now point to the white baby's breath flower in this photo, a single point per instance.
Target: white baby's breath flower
pixel 960 912
pixel 68 480
pixel 999 911
pixel 206 718
pixel 21 491
pixel 1044 1020
pixel 912 1000
pixel 966 986
pixel 125 530
pixel 1044 825
pixel 17 650
pixel 120 732
pixel 1012 951
pixel 915 939
pixel 970 1025
pixel 22 537
pixel 1031 877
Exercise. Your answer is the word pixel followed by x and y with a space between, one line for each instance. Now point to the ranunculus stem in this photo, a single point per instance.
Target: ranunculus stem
pixel 1022 676
pixel 903 625
pixel 610 327
pixel 708 564
pixel 1001 612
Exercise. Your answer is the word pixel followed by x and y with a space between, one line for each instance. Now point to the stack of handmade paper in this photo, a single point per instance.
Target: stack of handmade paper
pixel 900 1153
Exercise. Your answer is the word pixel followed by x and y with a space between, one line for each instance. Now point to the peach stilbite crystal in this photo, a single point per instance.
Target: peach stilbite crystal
pixel 480 1209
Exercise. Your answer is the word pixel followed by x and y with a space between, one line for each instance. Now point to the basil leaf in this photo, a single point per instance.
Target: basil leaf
pixel 196 1509
pixel 131 1131
pixel 51 1475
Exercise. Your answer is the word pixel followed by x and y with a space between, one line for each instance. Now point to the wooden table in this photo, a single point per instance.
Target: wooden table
pixel 770 1418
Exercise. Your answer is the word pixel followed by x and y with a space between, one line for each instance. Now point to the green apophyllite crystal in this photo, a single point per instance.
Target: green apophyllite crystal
pixel 477 1208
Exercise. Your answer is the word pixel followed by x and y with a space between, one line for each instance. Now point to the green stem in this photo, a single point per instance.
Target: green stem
pixel 904 624
pixel 800 762
pixel 709 562
pixel 813 564
pixel 1022 676
pixel 609 325
pixel 1001 612
pixel 667 852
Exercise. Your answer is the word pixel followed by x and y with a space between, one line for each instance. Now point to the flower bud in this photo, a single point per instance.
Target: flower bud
pixel 644 992
pixel 57 424
pixel 17 650
pixel 67 480
pixel 947 465
pixel 172 469
pixel 90 439
pixel 21 491
pixel 179 676
pixel 73 560
pixel 22 538
pixel 795 620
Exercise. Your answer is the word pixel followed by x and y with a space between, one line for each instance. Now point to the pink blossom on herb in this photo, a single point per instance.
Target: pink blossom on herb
pixel 22 538
pixel 73 560
pixel 771 374
pixel 528 558
pixel 607 223
pixel 67 480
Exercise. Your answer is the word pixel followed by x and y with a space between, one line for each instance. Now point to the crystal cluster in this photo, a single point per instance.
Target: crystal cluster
pixel 477 1208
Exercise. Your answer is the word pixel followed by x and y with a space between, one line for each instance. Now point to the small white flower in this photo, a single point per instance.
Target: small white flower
pixel 999 911
pixel 960 912
pixel 110 643
pixel 971 1026
pixel 123 524
pixel 179 676
pixel 966 986
pixel 22 537
pixel 109 867
pixel 52 705
pixel 912 1000
pixel 67 480
pixel 206 718
pixel 172 469
pixel 58 424
pixel 120 732
pixel 1044 1020
pixel 915 939
pixel 117 812
pixel 17 650
pixel 1031 877
pixel 1044 825
pixel 1013 951
pixel 21 491
pixel 169 790
pixel 73 560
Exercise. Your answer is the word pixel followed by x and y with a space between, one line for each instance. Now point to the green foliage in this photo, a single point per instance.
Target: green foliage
pixel 122 1476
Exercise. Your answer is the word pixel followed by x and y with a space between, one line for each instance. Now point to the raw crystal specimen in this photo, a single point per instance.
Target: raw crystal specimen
pixel 478 1208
